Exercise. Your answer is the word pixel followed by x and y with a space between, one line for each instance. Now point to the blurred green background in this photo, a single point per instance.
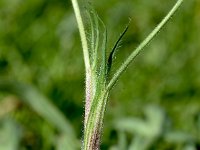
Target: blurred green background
pixel 155 104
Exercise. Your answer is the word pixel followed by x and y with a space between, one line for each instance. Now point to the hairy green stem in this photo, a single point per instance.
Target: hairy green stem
pixel 94 126
pixel 82 34
pixel 89 78
pixel 97 88
pixel 127 62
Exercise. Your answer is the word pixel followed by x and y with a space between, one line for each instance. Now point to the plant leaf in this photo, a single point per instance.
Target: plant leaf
pixel 104 44
pixel 111 56
pixel 94 37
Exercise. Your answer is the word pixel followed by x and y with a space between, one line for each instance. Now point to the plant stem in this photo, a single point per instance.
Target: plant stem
pixel 97 89
pixel 127 62
pixel 94 125
pixel 89 79
pixel 82 34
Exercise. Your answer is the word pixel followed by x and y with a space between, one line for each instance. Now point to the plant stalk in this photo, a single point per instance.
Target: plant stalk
pixel 97 88
pixel 88 80
pixel 147 40
pixel 82 34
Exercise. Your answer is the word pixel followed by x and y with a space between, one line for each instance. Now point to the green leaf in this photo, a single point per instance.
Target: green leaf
pixel 103 64
pixel 94 35
pixel 114 49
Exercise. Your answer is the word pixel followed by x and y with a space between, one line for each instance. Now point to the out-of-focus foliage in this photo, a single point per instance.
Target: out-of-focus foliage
pixel 10 135
pixel 153 129
pixel 40 47
pixel 43 107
